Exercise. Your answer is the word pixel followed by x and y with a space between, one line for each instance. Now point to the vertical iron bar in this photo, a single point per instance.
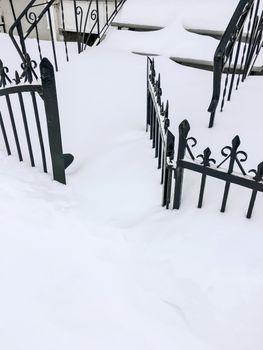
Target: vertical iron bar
pixel 151 119
pixel 245 48
pixel 52 39
pixel 9 106
pixel 12 9
pixel 167 186
pixel 154 128
pixel 53 123
pixel 160 152
pixel 77 25
pixel 252 203
pixel 107 13
pixel 38 44
pixel 184 129
pixel 226 81
pixel 225 197
pixel 157 132
pixel 29 145
pixel 4 135
pixel 163 165
pixel 98 18
pixel 64 29
pixel 39 131
pixel 21 38
pixel 202 190
pixel 235 66
pixel 254 25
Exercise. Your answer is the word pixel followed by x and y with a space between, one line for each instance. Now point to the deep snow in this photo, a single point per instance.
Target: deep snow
pixel 98 264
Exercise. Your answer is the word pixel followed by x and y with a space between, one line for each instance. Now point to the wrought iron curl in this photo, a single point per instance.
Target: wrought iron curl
pixel 224 153
pixel 31 17
pixel 94 15
pixel 79 12
pixel 234 155
pixel 190 142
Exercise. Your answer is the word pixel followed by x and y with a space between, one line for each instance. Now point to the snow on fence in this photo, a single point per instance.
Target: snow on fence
pixel 19 102
pixel 83 21
pixel 172 171
pixel 237 52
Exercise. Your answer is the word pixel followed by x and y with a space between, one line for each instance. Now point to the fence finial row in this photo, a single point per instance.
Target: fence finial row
pixel 164 143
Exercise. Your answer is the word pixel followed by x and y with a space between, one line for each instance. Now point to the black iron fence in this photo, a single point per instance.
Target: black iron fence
pixel 237 52
pixel 83 21
pixel 93 18
pixel 2 24
pixel 21 108
pixel 230 170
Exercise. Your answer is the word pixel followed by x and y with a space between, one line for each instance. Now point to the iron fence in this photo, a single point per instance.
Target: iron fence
pixel 24 87
pixel 2 24
pixel 172 170
pixel 92 19
pixel 236 53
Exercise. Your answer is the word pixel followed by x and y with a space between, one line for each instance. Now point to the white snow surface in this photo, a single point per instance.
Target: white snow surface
pixel 99 264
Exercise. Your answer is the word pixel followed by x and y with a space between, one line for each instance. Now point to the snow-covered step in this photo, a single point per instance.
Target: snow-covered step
pixel 214 25
pixel 136 27
pixel 146 15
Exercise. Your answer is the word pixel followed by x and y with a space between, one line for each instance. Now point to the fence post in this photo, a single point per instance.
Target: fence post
pixel 59 161
pixel 257 178
pixel 168 169
pixel 184 129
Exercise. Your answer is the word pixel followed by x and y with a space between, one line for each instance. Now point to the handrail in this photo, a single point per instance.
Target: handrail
pixel 90 19
pixel 237 51
pixel 18 26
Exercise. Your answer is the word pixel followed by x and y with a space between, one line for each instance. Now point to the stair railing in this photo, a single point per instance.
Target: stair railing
pixel 237 52
pixel 92 20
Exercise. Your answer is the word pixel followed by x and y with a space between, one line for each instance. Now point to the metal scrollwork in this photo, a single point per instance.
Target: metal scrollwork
pixel 234 156
pixel 94 15
pixel 190 143
pixel 31 17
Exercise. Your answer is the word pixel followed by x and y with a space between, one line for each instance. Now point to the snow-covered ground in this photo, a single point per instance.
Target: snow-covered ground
pixel 98 264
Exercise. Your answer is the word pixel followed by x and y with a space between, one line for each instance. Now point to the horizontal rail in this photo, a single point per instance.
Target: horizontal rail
pixel 219 174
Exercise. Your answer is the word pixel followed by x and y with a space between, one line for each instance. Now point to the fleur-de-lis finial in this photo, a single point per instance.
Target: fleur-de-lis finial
pixel 258 173
pixel 234 156
pixel 152 75
pixel 159 90
pixel 166 117
pixel 28 67
pixel 4 79
pixel 206 160
pixel 17 79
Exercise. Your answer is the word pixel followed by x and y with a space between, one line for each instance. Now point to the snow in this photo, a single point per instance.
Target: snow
pixel 99 264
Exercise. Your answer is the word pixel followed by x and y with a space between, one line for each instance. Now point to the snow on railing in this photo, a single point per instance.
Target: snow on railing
pixel 163 141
